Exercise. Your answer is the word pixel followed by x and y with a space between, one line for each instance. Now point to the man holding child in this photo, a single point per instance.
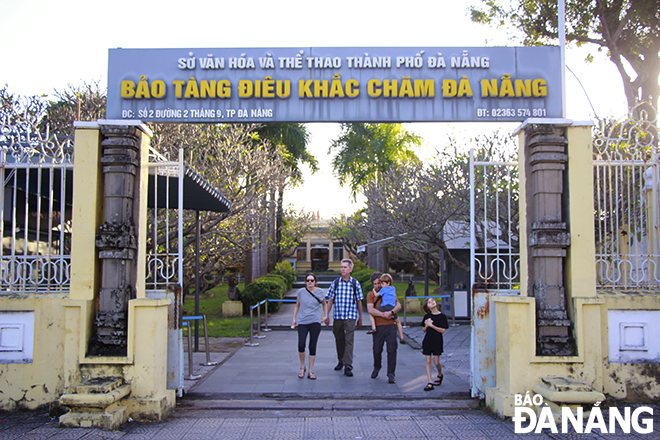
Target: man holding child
pixel 386 330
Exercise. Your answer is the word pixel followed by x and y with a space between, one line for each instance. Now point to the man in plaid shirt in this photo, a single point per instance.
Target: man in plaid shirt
pixel 346 295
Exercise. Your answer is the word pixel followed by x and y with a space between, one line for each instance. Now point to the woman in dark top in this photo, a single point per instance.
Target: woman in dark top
pixel 435 324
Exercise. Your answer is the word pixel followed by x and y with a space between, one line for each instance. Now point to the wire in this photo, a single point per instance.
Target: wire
pixel 585 92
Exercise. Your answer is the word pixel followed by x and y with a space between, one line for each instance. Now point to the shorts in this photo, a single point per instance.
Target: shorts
pixel 431 352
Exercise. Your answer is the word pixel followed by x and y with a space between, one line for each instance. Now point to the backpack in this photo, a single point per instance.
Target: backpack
pixel 335 285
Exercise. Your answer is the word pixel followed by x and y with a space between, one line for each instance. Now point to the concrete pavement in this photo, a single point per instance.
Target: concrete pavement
pixel 271 368
pixel 256 394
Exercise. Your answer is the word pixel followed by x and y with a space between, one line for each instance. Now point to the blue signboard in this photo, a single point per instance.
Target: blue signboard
pixel 374 84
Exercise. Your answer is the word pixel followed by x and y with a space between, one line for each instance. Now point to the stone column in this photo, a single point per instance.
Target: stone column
pixel 545 165
pixel 116 240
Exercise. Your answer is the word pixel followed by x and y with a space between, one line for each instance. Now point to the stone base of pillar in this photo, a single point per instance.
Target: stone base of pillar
pixel 554 345
pixel 500 402
pixel 413 306
pixel 559 392
pixel 152 409
pixel 96 403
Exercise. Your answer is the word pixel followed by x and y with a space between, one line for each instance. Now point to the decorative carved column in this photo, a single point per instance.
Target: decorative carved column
pixel 116 240
pixel 546 159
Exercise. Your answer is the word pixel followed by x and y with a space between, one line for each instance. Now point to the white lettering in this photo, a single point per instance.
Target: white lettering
pixel 518 420
pixel 596 421
pixel 648 423
pixel 546 420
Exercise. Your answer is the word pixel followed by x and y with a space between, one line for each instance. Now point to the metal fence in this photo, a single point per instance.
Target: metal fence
pixel 35 206
pixel 626 202
pixel 36 201
pixel 494 249
pixel 165 228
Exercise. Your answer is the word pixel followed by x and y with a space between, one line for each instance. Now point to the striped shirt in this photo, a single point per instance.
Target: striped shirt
pixel 344 298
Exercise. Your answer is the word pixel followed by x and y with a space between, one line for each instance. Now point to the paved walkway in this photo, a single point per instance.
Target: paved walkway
pixel 255 394
pixel 271 368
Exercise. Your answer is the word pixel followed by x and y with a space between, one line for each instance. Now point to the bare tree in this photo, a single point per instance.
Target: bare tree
pixel 413 203
pixel 294 227
pixel 351 230
pixel 75 103
pixel 244 169
pixel 422 206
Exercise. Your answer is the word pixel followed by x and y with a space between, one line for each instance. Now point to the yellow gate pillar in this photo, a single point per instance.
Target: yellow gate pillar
pixel 522 358
pixel 141 364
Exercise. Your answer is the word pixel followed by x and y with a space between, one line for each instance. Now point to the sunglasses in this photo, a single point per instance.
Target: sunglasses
pixel 310 281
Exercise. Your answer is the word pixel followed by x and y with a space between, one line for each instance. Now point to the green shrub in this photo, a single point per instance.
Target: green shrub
pixel 268 286
pixel 279 279
pixel 364 278
pixel 285 269
pixel 359 265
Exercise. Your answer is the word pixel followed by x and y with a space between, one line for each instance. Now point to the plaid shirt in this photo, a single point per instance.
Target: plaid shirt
pixel 344 298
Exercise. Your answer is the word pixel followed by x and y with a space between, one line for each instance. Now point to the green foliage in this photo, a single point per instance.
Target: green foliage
pixel 268 286
pixel 211 306
pixel 364 278
pixel 365 151
pixel 286 271
pixel 292 139
pixel 628 31
pixel 362 273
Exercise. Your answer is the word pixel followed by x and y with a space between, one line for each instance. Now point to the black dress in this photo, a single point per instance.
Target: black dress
pixel 433 344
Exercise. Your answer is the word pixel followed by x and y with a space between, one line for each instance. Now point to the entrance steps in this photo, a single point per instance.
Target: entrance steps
pixel 96 403
pixel 324 280
pixel 447 405
pixel 322 284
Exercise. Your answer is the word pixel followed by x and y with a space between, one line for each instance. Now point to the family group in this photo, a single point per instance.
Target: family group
pixel 345 295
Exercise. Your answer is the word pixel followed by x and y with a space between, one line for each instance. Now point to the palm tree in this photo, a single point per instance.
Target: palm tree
pixel 366 151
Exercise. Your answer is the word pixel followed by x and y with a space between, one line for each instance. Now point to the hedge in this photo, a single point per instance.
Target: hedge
pixel 269 286
pixel 363 276
pixel 285 269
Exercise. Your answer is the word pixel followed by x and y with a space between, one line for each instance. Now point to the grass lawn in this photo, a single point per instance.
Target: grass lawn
pixel 210 304
pixel 419 288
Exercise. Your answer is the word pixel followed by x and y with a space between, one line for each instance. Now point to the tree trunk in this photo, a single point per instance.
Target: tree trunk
pixel 278 224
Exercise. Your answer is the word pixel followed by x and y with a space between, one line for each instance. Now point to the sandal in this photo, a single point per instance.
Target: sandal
pixel 428 387
pixel 311 376
pixel 438 381
pixel 371 332
pixel 301 375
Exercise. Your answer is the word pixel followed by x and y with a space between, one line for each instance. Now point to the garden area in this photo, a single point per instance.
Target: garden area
pixel 274 285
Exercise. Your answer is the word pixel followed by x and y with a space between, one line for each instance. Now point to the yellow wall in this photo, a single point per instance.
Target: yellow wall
pixel 517 366
pixel 627 381
pixel 63 325
pixel 581 254
pixel 35 385
pixel 85 265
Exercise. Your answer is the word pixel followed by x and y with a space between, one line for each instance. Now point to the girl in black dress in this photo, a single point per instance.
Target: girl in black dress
pixel 435 324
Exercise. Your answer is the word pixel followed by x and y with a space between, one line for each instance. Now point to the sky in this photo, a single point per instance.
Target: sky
pixel 47 45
